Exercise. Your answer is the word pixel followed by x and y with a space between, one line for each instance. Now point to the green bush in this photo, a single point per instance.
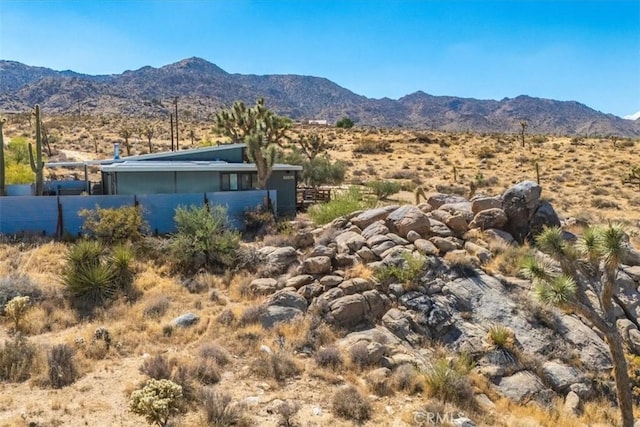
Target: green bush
pixel 343 204
pixel 203 239
pixel 383 189
pixel 345 123
pixel 322 171
pixel 114 225
pixel 157 401
pixel 17 359
pixel 407 272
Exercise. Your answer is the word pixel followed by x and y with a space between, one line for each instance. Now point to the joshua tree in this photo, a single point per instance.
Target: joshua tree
pixel 312 144
pixel 126 133
pixel 149 132
pixel 582 270
pixel 3 190
pixel 523 125
pixel 37 165
pixel 260 128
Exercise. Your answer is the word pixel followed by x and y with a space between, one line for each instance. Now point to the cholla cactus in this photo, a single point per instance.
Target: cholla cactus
pixel 157 401
pixel 16 310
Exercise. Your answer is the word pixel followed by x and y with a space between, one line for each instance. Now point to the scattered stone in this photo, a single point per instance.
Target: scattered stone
pixel 322 250
pixel 572 404
pixel 185 320
pixel 408 218
pixel 443 245
pixel 484 203
pixel 286 298
pixel 366 218
pixel 520 386
pixel 350 241
pixel 264 286
pixel 316 265
pixel 519 203
pixel 489 218
pixel 276 314
pixel 375 229
pixel 426 247
pixel 560 376
pixel 439 199
pixel 298 281
pixel 331 281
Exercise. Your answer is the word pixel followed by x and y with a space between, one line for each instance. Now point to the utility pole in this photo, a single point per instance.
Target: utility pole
pixel 175 101
pixel 171 126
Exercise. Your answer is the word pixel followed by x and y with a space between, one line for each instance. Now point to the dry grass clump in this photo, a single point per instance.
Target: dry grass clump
pixel 18 359
pixel 215 352
pixel 350 403
pixel 304 333
pixel 509 260
pixel 62 366
pixel 448 379
pixel 221 411
pixel 278 365
pixel 407 378
pixel 329 357
pixel 156 307
pixel 251 315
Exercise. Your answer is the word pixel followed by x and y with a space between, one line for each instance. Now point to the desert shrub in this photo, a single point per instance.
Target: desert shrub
pixel 258 222
pixel 17 359
pixel 509 259
pixel 460 263
pixel 633 363
pixel 216 353
pixel 157 401
pixel 16 309
pixel 407 378
pixel 343 204
pixel 368 146
pixel 226 317
pixel 157 367
pixel 329 357
pixel 157 307
pixel 384 189
pixel 501 337
pixel 251 315
pixel 203 239
pixel 448 380
pixel 113 225
pixel 15 286
pixel 408 271
pixel 278 365
pixel 486 152
pixel 220 411
pixel 62 367
pixel 345 123
pixel 287 411
pixel 206 371
pixel 601 203
pixel 360 356
pixel 322 171
pixel 539 139
pixel 349 403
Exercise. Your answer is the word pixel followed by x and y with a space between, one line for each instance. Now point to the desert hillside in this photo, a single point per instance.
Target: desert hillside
pixel 403 312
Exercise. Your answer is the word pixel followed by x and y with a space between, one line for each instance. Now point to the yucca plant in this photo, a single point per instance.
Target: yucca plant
pixel 94 275
pixel 448 380
pixel 591 264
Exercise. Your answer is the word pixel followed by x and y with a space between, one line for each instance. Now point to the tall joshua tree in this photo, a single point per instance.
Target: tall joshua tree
pixel 587 268
pixel 260 128
pixel 523 125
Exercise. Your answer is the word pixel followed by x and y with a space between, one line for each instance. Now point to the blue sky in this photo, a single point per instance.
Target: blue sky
pixel 587 51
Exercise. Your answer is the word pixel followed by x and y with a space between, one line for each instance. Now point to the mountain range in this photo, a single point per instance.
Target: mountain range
pixel 202 88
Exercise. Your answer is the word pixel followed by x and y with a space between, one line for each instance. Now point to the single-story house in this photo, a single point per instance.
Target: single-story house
pixel 210 169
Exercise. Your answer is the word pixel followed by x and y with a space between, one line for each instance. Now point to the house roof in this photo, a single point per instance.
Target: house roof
pixel 148 157
pixel 192 166
pixel 165 154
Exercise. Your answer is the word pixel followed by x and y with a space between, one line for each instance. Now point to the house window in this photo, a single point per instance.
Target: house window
pixel 238 181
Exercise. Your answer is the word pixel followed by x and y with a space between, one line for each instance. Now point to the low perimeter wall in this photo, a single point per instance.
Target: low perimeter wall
pixel 58 215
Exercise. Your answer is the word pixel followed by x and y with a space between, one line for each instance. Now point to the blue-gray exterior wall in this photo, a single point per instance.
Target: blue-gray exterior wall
pixel 284 182
pixel 43 215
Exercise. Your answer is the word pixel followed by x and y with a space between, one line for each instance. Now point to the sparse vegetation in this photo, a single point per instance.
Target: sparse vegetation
pixel 114 225
pixel 157 401
pixel 350 403
pixel 343 204
pixel 18 358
